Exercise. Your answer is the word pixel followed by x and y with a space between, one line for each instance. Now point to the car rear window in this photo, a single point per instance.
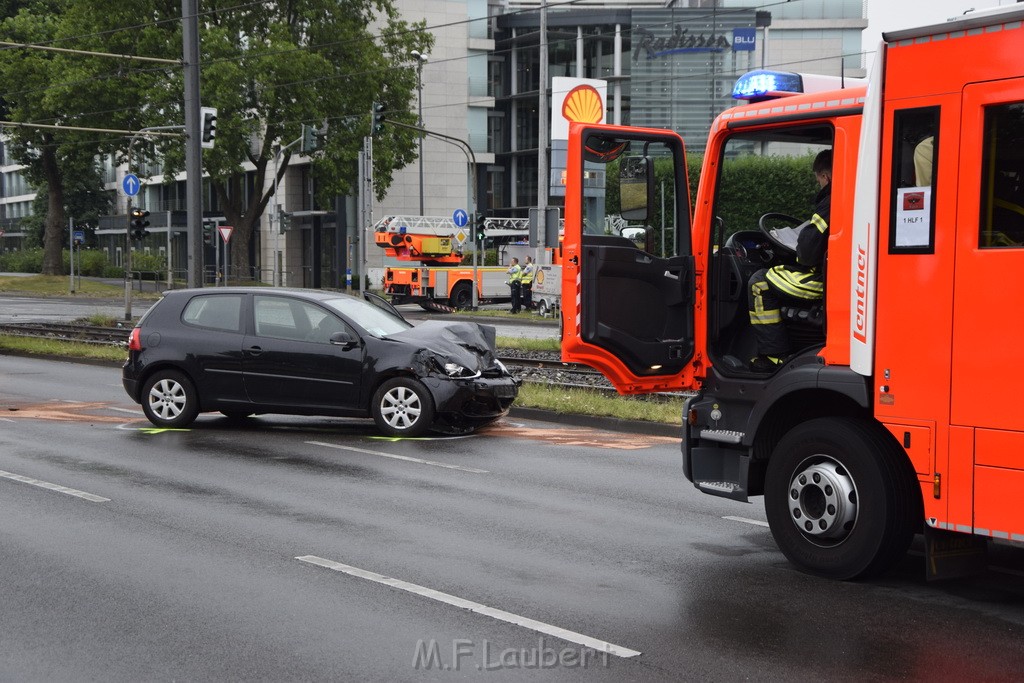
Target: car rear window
pixel 215 311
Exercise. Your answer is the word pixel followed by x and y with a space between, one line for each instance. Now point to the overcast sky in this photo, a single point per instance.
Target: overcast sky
pixel 891 15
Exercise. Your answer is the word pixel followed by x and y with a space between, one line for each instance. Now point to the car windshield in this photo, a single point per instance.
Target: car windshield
pixel 375 320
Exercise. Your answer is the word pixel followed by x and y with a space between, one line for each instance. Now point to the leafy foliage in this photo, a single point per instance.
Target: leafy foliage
pixel 749 186
pixel 268 68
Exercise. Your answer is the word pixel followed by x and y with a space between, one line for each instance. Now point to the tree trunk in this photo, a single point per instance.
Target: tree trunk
pixel 243 218
pixel 53 232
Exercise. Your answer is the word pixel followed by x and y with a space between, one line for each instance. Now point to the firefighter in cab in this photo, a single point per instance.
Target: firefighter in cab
pixel 799 284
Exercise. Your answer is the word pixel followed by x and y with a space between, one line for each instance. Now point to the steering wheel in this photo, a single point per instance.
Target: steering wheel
pixel 765 224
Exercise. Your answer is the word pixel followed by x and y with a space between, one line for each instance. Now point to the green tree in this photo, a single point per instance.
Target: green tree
pixel 46 88
pixel 269 68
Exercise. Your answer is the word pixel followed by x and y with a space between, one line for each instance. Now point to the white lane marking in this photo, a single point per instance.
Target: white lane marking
pixel 54 487
pixel 127 410
pixel 398 457
pixel 500 615
pixel 6 419
pixel 755 522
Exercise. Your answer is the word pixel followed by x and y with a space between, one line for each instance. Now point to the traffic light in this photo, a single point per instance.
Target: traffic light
pixel 480 225
pixel 208 126
pixel 378 119
pixel 139 224
pixel 284 220
pixel 309 141
pixel 208 229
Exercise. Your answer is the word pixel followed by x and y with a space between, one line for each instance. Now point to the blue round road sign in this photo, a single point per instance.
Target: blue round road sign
pixel 460 217
pixel 131 184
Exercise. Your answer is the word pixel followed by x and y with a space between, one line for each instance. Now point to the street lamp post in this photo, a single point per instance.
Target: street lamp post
pixel 420 60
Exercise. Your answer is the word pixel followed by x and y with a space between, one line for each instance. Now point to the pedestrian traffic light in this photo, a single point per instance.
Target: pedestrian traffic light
pixel 209 227
pixel 309 141
pixel 208 121
pixel 139 224
pixel 378 118
pixel 480 224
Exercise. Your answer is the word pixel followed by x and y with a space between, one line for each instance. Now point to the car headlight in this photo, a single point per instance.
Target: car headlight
pixel 501 366
pixel 456 371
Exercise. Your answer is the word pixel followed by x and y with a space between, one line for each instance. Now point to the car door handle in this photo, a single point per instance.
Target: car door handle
pixel 254 350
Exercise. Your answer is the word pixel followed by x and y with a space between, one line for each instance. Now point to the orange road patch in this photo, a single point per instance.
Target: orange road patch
pixel 60 412
pixel 590 438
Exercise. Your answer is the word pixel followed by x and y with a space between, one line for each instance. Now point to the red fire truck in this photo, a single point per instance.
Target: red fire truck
pixel 898 410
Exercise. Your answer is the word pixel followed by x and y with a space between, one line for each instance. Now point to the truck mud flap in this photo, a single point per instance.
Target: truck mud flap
pixel 435 306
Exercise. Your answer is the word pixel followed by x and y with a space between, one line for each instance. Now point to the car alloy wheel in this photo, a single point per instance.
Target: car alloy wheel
pixel 402 406
pixel 169 400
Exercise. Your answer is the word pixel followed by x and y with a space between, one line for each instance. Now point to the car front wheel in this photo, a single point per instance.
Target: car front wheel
pixel 169 399
pixel 402 406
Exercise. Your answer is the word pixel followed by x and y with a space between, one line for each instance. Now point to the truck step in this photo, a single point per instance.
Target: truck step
pixel 721 435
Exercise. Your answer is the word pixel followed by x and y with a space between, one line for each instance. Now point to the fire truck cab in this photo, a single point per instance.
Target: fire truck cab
pixel 897 410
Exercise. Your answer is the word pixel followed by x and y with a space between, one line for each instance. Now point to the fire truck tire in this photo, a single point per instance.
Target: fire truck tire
pixel 841 498
pixel 461 295
pixel 402 406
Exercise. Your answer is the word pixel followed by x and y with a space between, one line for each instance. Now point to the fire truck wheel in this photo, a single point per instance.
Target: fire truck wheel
pixel 841 498
pixel 402 406
pixel 461 296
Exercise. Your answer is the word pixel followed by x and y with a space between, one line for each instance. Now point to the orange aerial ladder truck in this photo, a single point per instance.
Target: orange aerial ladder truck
pixel 440 282
pixel 898 410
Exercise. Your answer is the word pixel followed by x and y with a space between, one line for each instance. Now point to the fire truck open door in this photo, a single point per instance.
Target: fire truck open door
pixel 628 281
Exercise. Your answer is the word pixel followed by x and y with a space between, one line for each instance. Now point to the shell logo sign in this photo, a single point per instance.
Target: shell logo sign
pixel 583 104
pixel 575 100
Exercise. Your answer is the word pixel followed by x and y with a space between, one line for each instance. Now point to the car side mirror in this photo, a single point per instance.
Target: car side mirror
pixel 344 339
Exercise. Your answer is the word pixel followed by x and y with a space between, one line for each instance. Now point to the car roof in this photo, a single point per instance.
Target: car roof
pixel 310 294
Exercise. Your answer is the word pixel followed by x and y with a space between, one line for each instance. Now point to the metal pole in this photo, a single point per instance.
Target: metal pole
pixel 544 136
pixel 419 87
pixel 193 152
pixel 71 254
pixel 170 258
pixel 420 59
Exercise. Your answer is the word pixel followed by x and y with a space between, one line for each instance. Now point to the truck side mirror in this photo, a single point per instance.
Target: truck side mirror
pixel 636 188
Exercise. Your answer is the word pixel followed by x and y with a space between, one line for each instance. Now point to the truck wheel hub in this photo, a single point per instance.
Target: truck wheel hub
pixel 823 500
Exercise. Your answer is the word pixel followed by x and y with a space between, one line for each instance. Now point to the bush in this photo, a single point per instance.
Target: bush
pixel 23 261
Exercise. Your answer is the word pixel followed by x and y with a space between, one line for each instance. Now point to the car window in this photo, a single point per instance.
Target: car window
pixel 214 311
pixel 374 320
pixel 286 318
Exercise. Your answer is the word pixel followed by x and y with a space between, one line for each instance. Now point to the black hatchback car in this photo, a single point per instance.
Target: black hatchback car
pixel 250 350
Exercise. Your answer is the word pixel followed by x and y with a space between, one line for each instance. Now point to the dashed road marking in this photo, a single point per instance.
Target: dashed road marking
pixel 53 487
pixel 745 520
pixel 494 613
pixel 406 458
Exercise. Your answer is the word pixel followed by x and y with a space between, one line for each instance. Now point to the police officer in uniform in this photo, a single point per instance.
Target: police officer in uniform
pixel 804 283
pixel 514 275
pixel 526 282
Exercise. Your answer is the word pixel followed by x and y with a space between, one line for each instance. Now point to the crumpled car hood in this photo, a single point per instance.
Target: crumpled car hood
pixel 471 345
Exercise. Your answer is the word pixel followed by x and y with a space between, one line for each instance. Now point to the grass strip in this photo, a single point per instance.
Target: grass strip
pixel 66 349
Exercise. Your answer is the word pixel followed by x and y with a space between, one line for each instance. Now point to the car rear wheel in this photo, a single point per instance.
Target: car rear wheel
pixel 841 498
pixel 169 399
pixel 402 406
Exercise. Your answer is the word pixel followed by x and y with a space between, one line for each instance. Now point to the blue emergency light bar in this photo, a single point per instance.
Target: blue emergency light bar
pixel 763 84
